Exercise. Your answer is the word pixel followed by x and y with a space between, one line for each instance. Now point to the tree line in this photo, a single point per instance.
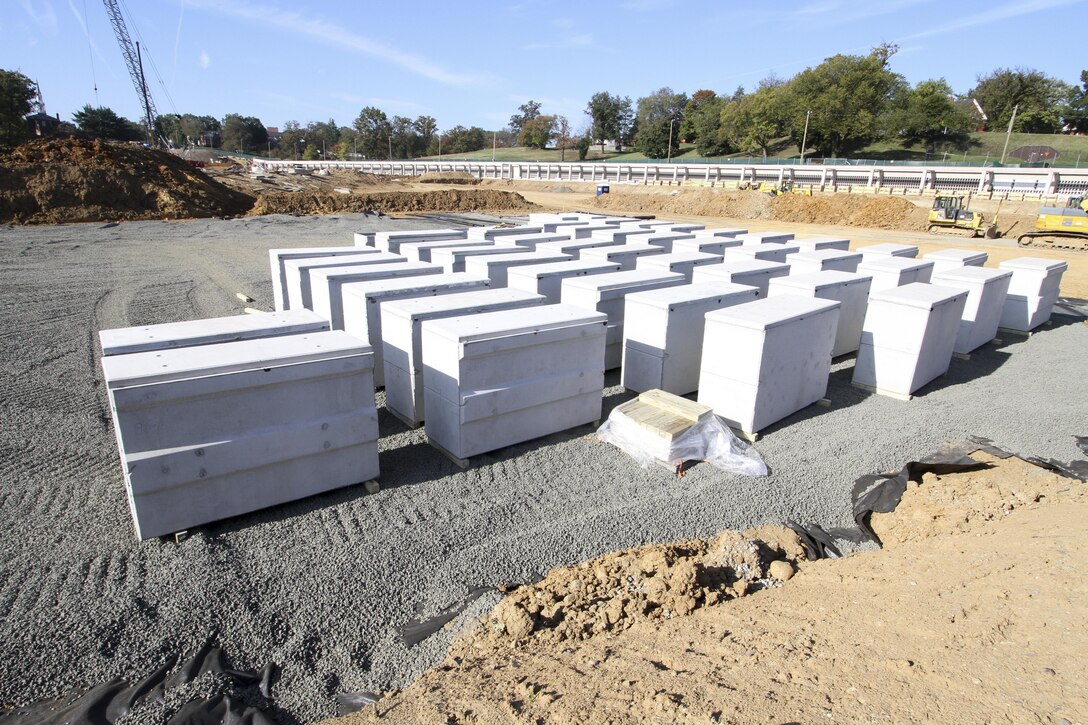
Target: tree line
pixel 833 109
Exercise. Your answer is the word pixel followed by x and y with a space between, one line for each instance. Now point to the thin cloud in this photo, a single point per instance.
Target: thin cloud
pixel 43 17
pixel 1006 12
pixel 177 42
pixel 90 39
pixel 205 59
pixel 382 103
pixel 335 34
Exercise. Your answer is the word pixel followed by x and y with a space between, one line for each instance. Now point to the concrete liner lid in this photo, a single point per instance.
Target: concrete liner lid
pixel 735 266
pixel 902 264
pixel 367 289
pixel 621 280
pixel 819 255
pixel 664 260
pixel 772 311
pixel 509 323
pixel 820 280
pixel 691 294
pixel 886 248
pixel 918 294
pixel 1035 264
pixel 810 240
pixel 551 269
pixel 143 368
pixel 954 254
pixel 522 259
pixel 423 307
pixel 403 269
pixel 322 251
pixel 127 340
pixel 343 260
pixel 973 274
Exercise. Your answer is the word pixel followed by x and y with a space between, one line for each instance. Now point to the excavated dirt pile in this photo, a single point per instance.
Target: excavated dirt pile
pixel 387 202
pixel 879 212
pixel 446 177
pixel 75 180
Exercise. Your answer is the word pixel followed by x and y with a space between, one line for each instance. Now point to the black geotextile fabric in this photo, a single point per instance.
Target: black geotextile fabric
pixel 106 703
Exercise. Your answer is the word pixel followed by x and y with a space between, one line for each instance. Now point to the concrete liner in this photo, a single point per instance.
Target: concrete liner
pixel 605 293
pixel 298 273
pixel 682 262
pixel 765 237
pixel 811 244
pixel 889 272
pixel 824 260
pixel 209 332
pixel 1034 275
pixel 402 339
pixel 663 333
pixel 1026 312
pixel 769 252
pixel 946 259
pixel 626 255
pixel 587 231
pixel 851 290
pixel 707 245
pixel 622 234
pixel 721 232
pixel 665 239
pixel 452 259
pixel 565 226
pixel 499 378
pixel 755 273
pixel 986 292
pixel 496 233
pixel 575 248
pixel 327 284
pixel 206 433
pixel 497 267
pixel 888 250
pixel 547 279
pixel 421 251
pixel 767 359
pixel 908 337
pixel 277 257
pixel 391 241
pixel 363 239
pixel 530 241
pixel 686 228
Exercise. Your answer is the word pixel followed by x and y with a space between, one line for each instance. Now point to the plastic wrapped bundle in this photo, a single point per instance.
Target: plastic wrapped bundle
pixel 665 429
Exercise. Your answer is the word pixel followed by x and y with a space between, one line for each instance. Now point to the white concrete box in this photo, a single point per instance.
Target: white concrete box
pixel 889 250
pixel 706 245
pixel 1033 290
pixel 945 259
pixel 891 272
pixel 421 251
pixel 686 228
pixel 666 239
pixel 851 290
pixel 297 292
pixel 721 232
pixel 682 262
pixel 362 303
pixel 623 234
pixel 986 291
pixel 754 273
pixel 566 227
pixel 587 231
pixel 210 432
pixel 530 241
pixel 606 292
pixel 498 378
pixel 770 252
pixel 499 232
pixel 657 224
pixel 765 237
pixel 277 257
pixel 402 339
pixel 452 259
pixel 626 255
pixel 767 359
pixel 575 248
pixel 327 284
pixel 209 332
pixel 391 241
pixel 811 244
pixel 824 260
pixel 496 267
pixel 663 333
pixel 363 239
pixel 908 337
pixel 542 218
pixel 547 279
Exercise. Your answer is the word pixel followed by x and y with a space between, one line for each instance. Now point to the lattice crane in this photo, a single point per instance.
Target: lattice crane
pixel 135 67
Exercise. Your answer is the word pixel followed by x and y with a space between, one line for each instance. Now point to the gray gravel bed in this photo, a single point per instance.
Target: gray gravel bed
pixel 318 586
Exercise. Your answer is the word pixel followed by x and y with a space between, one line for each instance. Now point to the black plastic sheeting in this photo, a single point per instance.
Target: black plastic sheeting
pixel 106 703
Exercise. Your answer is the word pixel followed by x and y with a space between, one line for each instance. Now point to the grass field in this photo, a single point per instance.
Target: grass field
pixel 985 146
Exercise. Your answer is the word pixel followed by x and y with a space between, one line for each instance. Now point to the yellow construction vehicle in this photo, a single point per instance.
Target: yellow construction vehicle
pixel 1065 228
pixel 950 216
pixel 773 188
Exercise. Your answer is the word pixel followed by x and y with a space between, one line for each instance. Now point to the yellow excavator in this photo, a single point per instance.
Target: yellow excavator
pixel 949 215
pixel 1061 227
pixel 773 188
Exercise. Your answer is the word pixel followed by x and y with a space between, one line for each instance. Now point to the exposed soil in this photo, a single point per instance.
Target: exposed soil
pixel 75 180
pixel 446 177
pixel 972 612
pixel 386 202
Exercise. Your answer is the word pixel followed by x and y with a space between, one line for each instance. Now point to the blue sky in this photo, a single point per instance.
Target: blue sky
pixel 473 63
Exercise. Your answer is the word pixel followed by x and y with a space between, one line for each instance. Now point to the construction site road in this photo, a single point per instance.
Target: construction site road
pixel 319 586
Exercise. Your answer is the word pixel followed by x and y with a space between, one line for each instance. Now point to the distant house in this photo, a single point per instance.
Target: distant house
pixel 273 133
pixel 42 124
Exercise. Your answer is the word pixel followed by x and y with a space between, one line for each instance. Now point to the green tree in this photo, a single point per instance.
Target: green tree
pixel 659 117
pixel 1075 112
pixel 426 128
pixel 536 133
pixel 17 93
pixel 243 133
pixel 291 137
pixel 373 129
pixel 102 122
pixel 323 135
pixel 460 140
pixel 928 115
pixel 1038 95
pixel 688 131
pixel 847 95
pixel 563 139
pixel 530 110
pixel 611 118
pixel 584 142
pixel 756 120
pixel 706 123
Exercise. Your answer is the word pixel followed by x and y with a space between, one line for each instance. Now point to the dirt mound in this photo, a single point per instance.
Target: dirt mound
pixel 656 582
pixel 446 177
pixel 75 180
pixel 389 202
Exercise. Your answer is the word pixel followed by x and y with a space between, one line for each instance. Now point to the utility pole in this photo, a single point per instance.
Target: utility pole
pixel 671 122
pixel 1008 134
pixel 439 144
pixel 494 144
pixel 147 102
pixel 390 137
pixel 804 139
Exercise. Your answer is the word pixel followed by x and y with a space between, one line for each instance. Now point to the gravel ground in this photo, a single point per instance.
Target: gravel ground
pixel 318 586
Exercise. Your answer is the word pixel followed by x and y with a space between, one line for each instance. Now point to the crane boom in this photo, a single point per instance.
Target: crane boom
pixel 135 67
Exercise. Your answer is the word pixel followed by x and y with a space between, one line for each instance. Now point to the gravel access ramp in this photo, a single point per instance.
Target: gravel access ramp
pixel 319 586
